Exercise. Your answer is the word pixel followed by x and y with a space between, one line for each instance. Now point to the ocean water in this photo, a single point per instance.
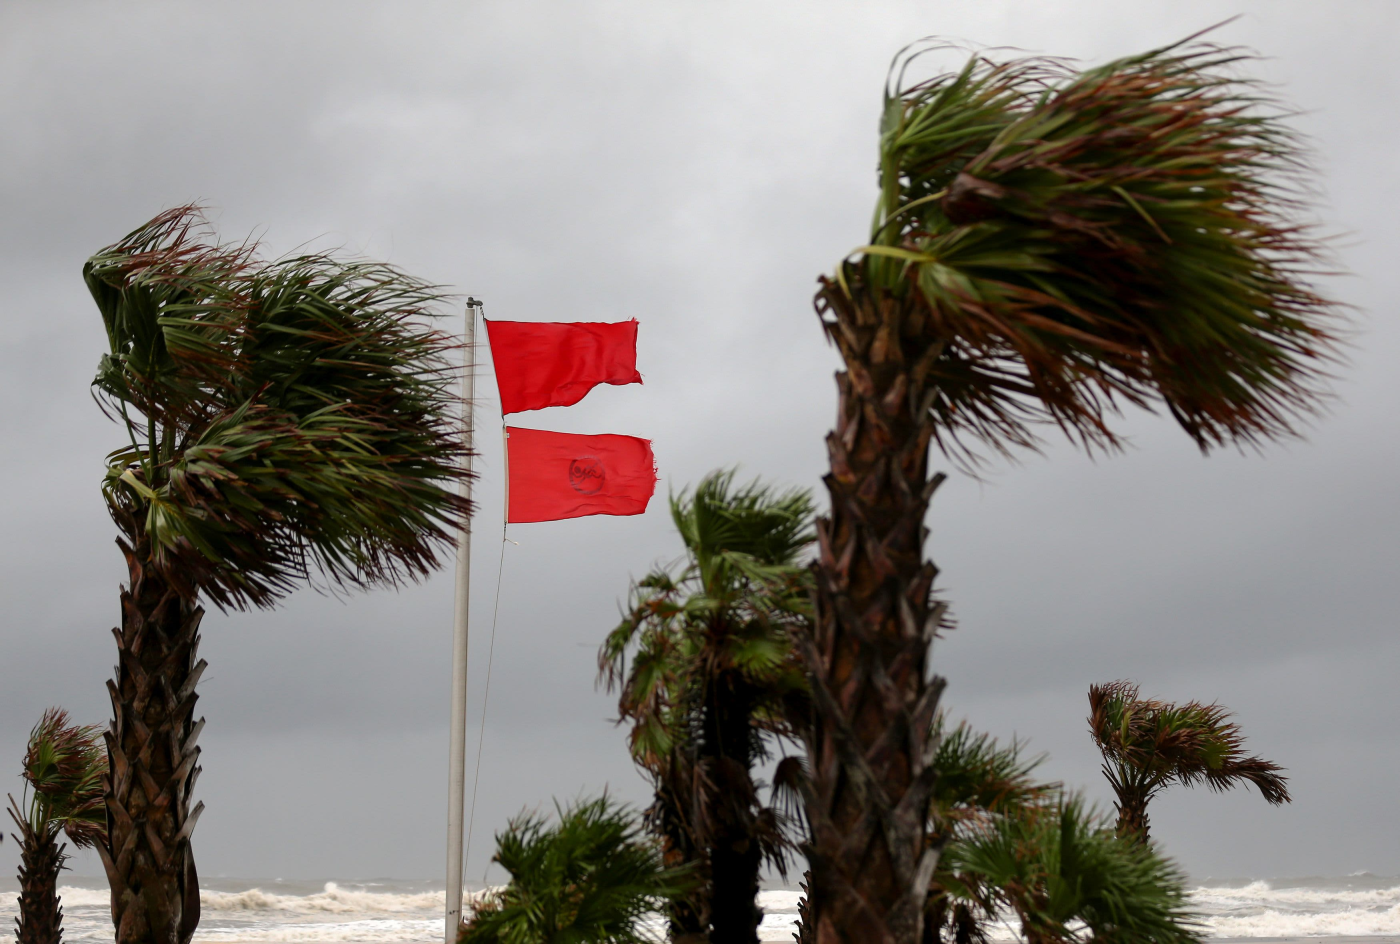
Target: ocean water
pixel 393 911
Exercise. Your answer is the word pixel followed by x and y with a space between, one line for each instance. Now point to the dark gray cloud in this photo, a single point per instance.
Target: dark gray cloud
pixel 695 166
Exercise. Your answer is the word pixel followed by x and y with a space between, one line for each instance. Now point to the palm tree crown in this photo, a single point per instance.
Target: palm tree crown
pixel 593 875
pixel 1128 232
pixel 63 767
pixel 1148 745
pixel 283 418
pixel 725 608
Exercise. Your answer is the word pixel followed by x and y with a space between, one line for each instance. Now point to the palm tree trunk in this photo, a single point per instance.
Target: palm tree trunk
pixel 726 748
pixel 41 858
pixel 804 933
pixel 153 759
pixel 871 747
pixel 688 915
pixel 1132 817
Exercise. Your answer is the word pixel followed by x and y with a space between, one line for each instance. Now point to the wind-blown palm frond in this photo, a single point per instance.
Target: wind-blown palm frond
pixel 977 777
pixel 285 418
pixel 979 782
pixel 63 768
pixel 729 606
pixel 591 876
pixel 1059 867
pixel 1129 232
pixel 1148 745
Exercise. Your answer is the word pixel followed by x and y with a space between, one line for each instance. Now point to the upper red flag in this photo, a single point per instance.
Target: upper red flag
pixel 541 363
pixel 565 475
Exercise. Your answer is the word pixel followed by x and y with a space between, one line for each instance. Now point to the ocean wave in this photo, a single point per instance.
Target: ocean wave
pixel 327 932
pixel 332 900
pixel 1280 924
pixel 340 913
pixel 1262 893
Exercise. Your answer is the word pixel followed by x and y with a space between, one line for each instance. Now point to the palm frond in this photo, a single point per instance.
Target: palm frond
pixel 980 778
pixel 63 768
pixel 285 419
pixel 1064 874
pixel 1133 233
pixel 592 875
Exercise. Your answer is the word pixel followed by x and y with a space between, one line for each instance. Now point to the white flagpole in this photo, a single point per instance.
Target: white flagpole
pixel 457 749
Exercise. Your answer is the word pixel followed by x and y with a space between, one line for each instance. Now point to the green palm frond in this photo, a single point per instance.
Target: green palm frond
pixel 979 778
pixel 63 768
pixel 729 605
pixel 285 419
pixel 593 875
pixel 1066 876
pixel 1130 233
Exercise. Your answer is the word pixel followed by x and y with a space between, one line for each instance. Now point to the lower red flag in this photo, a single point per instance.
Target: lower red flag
pixel 565 475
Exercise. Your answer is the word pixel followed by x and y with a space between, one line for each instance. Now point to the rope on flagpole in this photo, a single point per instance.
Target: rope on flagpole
pixel 485 697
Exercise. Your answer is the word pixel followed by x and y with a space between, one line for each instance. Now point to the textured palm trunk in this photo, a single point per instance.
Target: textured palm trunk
pixel 871 747
pixel 1132 817
pixel 803 932
pixel 41 858
pixel 688 916
pixel 153 760
pixel 726 746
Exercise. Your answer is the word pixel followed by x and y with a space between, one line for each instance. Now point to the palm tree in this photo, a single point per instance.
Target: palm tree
pixel 1063 872
pixel 282 419
pixel 979 783
pixel 713 671
pixel 1047 246
pixel 63 767
pixel 592 876
pixel 1149 745
pixel 1011 845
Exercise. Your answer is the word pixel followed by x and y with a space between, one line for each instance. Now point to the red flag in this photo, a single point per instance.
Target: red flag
pixel 540 364
pixel 565 475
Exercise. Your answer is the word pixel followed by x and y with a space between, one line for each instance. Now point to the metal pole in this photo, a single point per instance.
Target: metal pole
pixel 457 748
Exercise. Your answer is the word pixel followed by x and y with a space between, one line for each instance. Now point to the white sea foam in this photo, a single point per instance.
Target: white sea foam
pixel 332 899
pixel 392 912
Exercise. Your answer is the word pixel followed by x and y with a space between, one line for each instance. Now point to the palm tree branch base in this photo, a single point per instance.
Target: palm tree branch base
pixel 152 757
pixel 871 745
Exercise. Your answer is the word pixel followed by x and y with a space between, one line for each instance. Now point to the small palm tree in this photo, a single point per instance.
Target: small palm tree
pixel 63 768
pixel 1149 745
pixel 1047 246
pixel 1067 876
pixel 282 419
pixel 979 782
pixel 593 876
pixel 712 672
pixel 1012 845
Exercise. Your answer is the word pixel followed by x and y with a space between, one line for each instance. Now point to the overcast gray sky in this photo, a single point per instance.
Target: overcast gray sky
pixel 695 166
